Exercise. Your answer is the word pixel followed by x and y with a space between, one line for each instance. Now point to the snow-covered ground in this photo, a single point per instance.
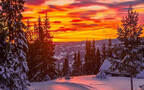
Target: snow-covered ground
pixel 88 83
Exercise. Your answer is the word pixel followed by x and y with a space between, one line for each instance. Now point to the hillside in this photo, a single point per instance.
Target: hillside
pixel 69 48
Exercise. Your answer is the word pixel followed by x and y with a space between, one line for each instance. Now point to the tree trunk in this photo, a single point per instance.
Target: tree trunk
pixel 131 80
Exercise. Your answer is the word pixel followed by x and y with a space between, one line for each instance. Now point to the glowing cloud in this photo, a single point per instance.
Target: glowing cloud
pixel 78 20
pixel 58 2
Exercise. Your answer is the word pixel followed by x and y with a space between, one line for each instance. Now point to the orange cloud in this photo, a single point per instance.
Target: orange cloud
pixel 57 22
pixel 78 20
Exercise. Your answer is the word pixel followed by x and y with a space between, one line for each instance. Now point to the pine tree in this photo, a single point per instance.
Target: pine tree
pixel 93 55
pixel 3 57
pixel 50 49
pixel 35 32
pixel 77 65
pixel 15 64
pixel 103 52
pixel 65 69
pixel 109 53
pixel 98 60
pixel 37 60
pixel 129 36
pixel 93 49
pixel 41 61
pixel 88 59
pixel 28 31
pixel 3 52
pixel 47 27
pixel 28 26
pixel 21 53
pixel 59 70
pixel 74 66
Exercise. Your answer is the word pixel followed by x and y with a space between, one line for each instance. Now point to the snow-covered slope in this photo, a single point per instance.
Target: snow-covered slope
pixel 140 75
pixel 88 83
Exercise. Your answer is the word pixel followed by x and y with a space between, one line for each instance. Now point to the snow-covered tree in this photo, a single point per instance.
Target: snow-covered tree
pixel 15 62
pixel 20 66
pixel 3 51
pixel 131 60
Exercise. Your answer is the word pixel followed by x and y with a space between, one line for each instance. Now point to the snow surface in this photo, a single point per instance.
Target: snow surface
pixel 88 83
pixel 140 75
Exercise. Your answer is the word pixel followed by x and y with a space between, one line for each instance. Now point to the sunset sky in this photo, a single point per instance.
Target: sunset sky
pixel 79 20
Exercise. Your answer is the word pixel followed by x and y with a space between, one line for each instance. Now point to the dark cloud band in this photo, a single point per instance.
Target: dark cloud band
pixel 35 2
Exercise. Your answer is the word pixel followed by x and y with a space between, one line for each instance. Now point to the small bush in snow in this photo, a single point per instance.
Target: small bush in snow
pixel 67 77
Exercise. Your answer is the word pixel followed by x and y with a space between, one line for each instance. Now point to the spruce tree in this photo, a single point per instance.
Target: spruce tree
pixel 21 67
pixel 74 66
pixel 3 52
pixel 88 59
pixel 93 49
pixel 109 52
pixel 32 62
pixel 50 49
pixel 41 61
pixel 37 61
pixel 98 60
pixel 129 33
pixel 28 31
pixel 103 52
pixel 77 65
pixel 35 32
pixel 3 57
pixel 15 64
pixel 65 69
pixel 47 27
pixel 94 60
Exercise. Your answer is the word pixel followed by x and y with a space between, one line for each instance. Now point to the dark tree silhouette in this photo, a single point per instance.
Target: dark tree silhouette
pixel 104 53
pixel 41 61
pixel 77 65
pixel 65 69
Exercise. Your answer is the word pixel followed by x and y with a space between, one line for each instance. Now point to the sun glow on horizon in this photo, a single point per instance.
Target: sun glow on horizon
pixel 79 20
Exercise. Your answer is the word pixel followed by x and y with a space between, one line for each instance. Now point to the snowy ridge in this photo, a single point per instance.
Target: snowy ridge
pixel 69 48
